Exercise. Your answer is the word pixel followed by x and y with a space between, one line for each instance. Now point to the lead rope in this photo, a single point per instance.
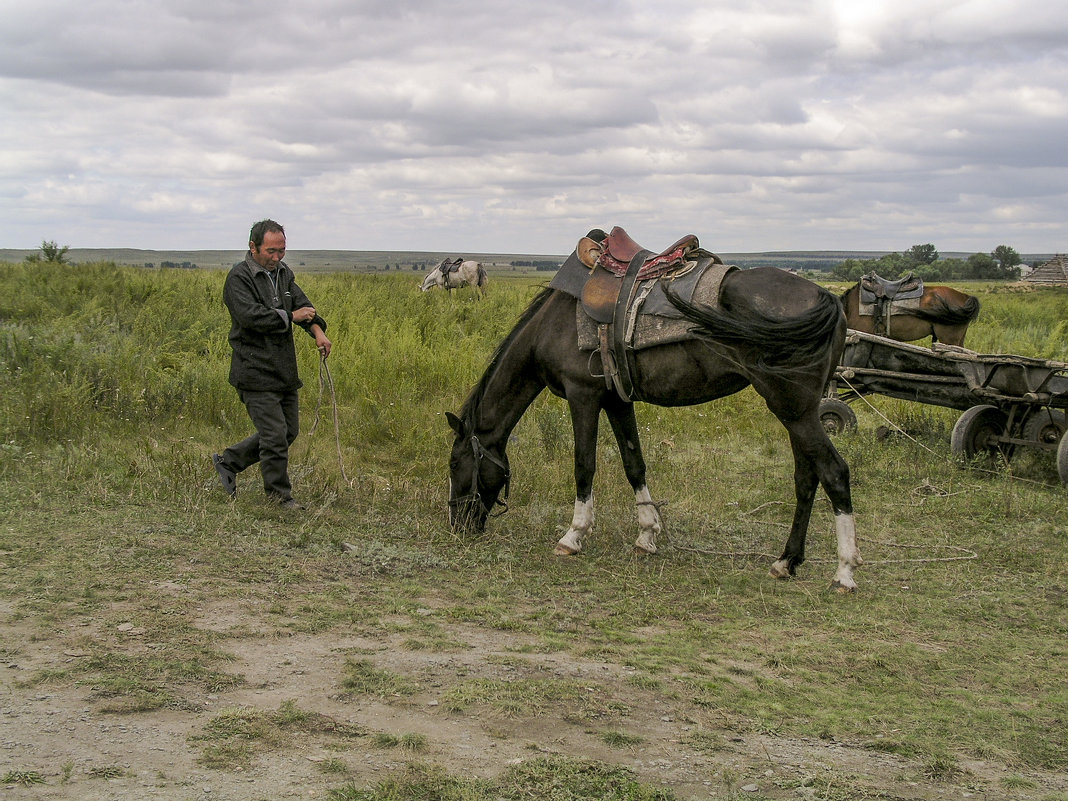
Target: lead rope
pixel 326 380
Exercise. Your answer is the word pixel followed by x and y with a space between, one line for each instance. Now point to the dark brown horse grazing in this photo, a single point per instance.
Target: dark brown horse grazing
pixel 943 314
pixel 776 331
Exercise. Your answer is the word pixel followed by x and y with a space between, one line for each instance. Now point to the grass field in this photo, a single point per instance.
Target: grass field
pixel 158 641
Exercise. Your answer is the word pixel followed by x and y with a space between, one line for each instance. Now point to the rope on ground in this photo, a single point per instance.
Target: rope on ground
pixel 924 490
pixel 968 553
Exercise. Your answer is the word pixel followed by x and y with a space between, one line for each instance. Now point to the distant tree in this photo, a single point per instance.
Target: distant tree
pixel 944 269
pixel 921 254
pixel 923 260
pixel 892 265
pixel 982 265
pixel 1008 260
pixel 848 269
pixel 930 272
pixel 895 265
pixel 50 252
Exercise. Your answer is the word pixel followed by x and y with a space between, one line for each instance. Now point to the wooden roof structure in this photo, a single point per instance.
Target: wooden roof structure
pixel 1052 273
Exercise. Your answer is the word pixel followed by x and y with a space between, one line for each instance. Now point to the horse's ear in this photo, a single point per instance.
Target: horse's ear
pixel 588 251
pixel 455 423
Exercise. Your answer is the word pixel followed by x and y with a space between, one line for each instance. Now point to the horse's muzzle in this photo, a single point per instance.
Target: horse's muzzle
pixel 467 515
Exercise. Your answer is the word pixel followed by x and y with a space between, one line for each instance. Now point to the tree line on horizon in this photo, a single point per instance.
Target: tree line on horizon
pixel 1002 263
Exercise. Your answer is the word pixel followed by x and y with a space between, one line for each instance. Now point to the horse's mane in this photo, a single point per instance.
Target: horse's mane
pixel 471 405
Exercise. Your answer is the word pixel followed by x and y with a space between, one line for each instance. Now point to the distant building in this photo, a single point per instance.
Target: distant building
pixel 1052 273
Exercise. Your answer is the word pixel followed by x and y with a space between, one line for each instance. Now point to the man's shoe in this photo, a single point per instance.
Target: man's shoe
pixel 291 503
pixel 227 477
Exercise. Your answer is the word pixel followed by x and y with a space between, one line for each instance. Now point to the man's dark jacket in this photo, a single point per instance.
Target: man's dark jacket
pixel 261 330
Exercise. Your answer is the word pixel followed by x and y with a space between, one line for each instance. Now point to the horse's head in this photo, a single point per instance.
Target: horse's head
pixel 477 475
pixel 431 279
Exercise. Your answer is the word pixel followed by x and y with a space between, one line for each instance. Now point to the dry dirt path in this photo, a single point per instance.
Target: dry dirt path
pixel 59 730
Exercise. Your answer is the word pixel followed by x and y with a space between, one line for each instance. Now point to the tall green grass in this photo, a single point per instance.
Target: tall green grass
pixel 99 350
pixel 96 348
pixel 131 366
pixel 1025 322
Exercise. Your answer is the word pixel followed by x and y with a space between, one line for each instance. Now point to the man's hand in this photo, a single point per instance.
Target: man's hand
pixel 303 314
pixel 322 343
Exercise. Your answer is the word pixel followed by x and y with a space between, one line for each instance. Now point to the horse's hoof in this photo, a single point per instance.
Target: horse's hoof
pixel 645 550
pixel 780 570
pixel 842 589
pixel 563 550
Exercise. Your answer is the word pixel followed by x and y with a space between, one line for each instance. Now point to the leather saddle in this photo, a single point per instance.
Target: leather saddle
pixel 448 268
pixel 617 261
pixel 876 289
pixel 622 273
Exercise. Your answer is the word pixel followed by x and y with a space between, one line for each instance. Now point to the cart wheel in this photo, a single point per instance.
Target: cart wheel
pixel 976 433
pixel 1046 426
pixel 1062 460
pixel 837 416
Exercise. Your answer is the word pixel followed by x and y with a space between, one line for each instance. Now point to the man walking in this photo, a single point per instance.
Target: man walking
pixel 265 303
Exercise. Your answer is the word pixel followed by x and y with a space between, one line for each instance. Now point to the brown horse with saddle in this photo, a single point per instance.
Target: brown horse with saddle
pixel 906 310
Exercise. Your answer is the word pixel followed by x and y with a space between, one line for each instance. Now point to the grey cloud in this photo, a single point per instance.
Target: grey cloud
pixel 389 123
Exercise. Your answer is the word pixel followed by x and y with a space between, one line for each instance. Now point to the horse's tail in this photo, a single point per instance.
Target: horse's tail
pixel 942 312
pixel 792 341
pixel 483 276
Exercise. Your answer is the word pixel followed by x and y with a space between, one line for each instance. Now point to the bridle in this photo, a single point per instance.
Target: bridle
pixel 481 453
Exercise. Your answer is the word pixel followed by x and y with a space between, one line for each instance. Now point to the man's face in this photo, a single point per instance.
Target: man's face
pixel 271 251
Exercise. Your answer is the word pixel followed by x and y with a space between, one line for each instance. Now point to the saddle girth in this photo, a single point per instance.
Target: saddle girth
pixel 623 376
pixel 447 268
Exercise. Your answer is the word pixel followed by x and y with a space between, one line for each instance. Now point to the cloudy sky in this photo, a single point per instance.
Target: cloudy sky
pixel 511 126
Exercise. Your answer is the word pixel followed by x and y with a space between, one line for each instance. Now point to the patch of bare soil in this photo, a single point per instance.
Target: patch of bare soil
pixel 60 732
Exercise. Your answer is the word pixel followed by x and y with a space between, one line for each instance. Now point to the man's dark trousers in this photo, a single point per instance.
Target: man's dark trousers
pixel 276 417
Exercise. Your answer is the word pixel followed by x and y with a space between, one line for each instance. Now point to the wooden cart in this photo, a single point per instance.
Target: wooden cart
pixel 1008 401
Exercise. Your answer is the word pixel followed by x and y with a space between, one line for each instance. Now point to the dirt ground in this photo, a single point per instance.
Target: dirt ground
pixel 60 732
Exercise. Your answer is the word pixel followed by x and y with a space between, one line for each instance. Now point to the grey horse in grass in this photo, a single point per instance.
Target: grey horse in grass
pixel 454 273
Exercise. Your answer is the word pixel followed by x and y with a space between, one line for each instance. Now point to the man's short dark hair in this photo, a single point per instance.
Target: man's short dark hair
pixel 262 228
